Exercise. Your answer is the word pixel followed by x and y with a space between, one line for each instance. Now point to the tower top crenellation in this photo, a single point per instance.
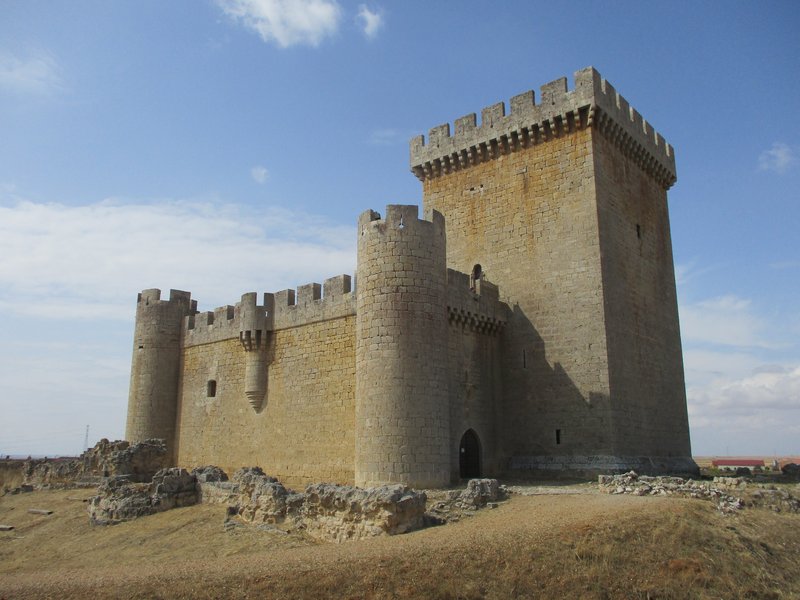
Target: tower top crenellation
pixel 593 101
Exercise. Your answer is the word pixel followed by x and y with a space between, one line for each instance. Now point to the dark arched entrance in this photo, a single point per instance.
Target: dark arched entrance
pixel 469 455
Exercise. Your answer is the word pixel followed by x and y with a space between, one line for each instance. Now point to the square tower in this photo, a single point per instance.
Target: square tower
pixel 563 205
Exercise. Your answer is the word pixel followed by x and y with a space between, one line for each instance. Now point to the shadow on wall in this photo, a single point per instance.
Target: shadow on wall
pixel 543 411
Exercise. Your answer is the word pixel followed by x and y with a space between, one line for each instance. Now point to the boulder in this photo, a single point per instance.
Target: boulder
pixel 480 492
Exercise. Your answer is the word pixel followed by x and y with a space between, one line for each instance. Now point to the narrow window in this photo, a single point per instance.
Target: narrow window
pixel 638 231
pixel 524 360
pixel 211 388
pixel 558 436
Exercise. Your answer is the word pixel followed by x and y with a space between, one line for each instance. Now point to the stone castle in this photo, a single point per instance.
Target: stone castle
pixel 527 323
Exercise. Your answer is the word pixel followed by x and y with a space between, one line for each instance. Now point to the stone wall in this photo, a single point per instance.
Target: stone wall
pixel 529 219
pixel 304 432
pixel 641 309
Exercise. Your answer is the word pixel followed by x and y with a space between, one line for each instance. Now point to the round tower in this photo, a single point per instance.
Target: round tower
pixel 153 395
pixel 402 412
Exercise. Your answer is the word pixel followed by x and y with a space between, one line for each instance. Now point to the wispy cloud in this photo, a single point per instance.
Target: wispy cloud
pixel 38 74
pixel 286 22
pixel 89 261
pixel 724 320
pixel 388 137
pixel 259 174
pixel 370 21
pixel 779 159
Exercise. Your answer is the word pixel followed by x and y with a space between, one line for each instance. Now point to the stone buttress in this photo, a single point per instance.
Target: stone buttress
pixel 402 413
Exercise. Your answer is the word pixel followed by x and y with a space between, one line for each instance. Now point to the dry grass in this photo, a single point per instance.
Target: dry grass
pixel 581 546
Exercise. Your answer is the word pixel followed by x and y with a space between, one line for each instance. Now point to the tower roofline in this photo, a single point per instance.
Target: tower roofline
pixel 593 101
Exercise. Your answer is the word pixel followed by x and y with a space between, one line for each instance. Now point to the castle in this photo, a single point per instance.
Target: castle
pixel 527 323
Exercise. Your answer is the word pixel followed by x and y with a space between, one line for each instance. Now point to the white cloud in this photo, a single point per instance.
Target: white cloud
pixel 286 22
pixel 259 174
pixel 725 320
pixel 370 21
pixel 90 261
pixel 33 75
pixel 778 159
pixel 68 283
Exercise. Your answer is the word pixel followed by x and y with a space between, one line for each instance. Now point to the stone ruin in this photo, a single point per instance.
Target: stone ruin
pixel 119 499
pixel 728 493
pixel 137 462
pixel 324 511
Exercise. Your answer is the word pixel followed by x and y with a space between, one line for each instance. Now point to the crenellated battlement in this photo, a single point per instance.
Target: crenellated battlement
pixel 593 102
pixel 474 303
pixel 313 302
pixel 401 216
pixel 309 303
pixel 153 296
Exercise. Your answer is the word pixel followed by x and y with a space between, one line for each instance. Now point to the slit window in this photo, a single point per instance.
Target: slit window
pixel 638 231
pixel 211 388
pixel 558 436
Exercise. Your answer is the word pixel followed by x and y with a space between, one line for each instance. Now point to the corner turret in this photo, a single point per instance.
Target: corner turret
pixel 153 396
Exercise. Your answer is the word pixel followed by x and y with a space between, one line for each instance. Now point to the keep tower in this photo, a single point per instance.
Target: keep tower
pixel 563 203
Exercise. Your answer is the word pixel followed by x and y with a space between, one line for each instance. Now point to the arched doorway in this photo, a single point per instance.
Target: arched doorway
pixel 469 455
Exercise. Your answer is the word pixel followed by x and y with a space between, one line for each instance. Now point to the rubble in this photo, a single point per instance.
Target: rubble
pixel 718 491
pixel 451 505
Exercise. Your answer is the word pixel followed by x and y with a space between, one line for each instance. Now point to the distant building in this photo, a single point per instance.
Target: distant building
pixel 731 464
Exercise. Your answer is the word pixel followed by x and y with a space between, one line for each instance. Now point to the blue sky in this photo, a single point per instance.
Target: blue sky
pixel 228 146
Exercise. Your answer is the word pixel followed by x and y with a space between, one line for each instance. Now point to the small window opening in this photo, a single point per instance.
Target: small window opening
pixel 211 388
pixel 524 360
pixel 638 231
pixel 141 347
pixel 558 436
pixel 402 225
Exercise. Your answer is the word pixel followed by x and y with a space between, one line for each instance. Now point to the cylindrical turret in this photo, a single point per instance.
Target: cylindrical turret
pixel 402 413
pixel 153 395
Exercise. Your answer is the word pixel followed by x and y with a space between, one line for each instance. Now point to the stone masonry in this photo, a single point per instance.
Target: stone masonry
pixel 526 323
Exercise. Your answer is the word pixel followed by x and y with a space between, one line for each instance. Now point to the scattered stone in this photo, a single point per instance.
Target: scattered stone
pixel 716 491
pixel 454 504
pixel 40 511
pixel 6 527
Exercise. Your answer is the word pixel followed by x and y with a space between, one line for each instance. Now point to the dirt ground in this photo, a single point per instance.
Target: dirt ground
pixel 567 543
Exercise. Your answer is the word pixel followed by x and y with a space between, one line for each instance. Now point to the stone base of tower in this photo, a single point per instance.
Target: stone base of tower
pixel 585 466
